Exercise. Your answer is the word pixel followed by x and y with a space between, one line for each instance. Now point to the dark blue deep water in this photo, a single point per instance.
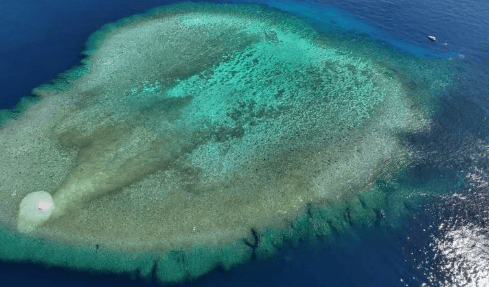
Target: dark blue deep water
pixel 445 243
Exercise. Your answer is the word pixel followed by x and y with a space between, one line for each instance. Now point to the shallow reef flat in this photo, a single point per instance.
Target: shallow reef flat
pixel 204 135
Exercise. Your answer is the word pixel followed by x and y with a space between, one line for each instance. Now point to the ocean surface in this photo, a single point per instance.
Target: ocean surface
pixel 443 243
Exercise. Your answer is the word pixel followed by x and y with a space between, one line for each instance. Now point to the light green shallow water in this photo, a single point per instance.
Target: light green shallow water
pixel 199 135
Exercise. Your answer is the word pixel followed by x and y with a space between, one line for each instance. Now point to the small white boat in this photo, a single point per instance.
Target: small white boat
pixel 432 38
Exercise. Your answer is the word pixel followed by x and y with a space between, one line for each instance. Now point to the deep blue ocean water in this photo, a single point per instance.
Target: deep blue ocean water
pixel 444 244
